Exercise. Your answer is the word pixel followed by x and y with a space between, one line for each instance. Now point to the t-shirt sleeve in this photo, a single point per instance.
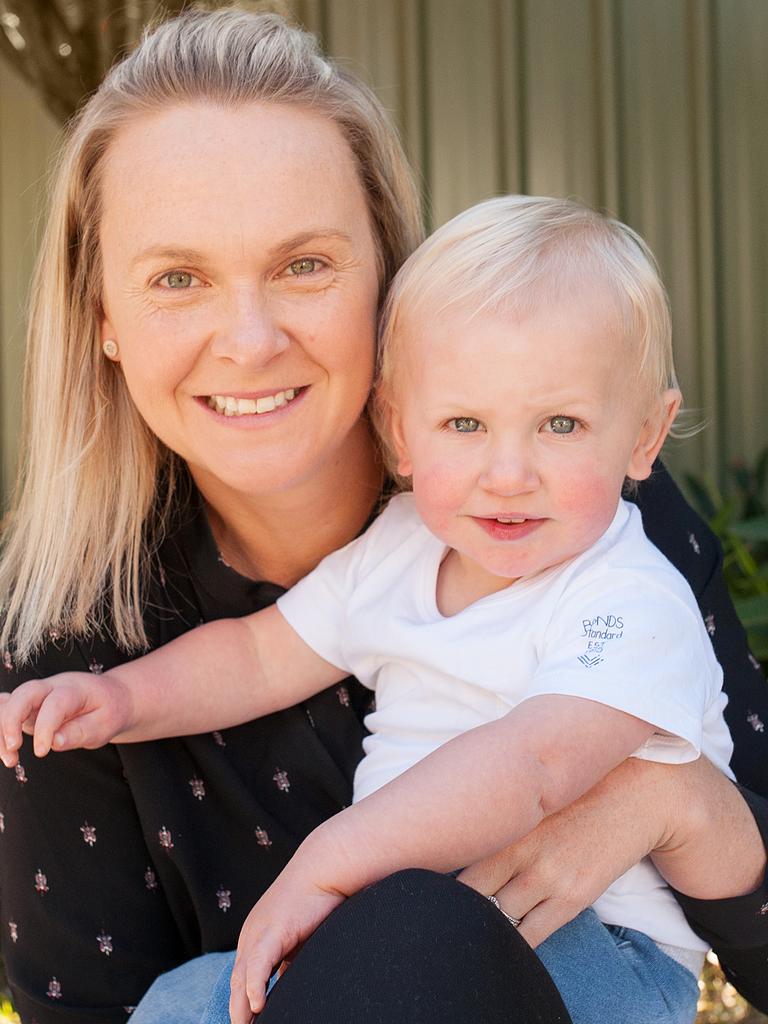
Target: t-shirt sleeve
pixel 317 606
pixel 623 640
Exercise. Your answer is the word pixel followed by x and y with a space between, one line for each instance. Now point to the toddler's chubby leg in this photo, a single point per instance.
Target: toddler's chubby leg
pixel 618 975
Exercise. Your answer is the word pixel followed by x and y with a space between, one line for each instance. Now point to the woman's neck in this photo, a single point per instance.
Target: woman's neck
pixel 281 537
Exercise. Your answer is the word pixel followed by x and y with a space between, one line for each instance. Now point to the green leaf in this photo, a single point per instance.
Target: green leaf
pixel 753 611
pixel 752 529
pixel 744 559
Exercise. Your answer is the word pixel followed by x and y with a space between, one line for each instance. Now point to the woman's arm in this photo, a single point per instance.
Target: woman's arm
pixel 736 925
pixel 573 856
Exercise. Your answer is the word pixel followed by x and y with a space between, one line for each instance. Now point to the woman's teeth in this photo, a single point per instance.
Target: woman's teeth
pixel 229 406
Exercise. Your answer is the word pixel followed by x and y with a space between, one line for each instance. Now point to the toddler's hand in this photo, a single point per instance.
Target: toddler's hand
pixel 74 709
pixel 287 914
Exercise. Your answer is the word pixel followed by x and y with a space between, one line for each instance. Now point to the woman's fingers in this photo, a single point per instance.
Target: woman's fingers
pixel 487 876
pixel 516 901
pixel 531 885
pixel 540 922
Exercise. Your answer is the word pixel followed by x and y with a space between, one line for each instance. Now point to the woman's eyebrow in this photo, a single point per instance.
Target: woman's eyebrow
pixel 171 254
pixel 177 254
pixel 304 237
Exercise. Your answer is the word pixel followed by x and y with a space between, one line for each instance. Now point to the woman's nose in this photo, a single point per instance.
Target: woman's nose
pixel 250 335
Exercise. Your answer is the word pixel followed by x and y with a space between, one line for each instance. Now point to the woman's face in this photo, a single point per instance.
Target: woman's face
pixel 241 284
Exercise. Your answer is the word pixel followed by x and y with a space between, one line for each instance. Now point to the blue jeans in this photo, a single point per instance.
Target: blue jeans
pixel 181 996
pixel 603 974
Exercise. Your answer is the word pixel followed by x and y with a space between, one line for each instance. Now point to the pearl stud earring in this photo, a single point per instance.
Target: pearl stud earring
pixel 110 348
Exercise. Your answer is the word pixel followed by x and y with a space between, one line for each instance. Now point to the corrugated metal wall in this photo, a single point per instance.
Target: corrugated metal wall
pixel 27 137
pixel 653 109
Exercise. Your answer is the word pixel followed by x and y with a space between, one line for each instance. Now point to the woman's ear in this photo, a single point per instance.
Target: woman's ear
pixel 652 435
pixel 397 436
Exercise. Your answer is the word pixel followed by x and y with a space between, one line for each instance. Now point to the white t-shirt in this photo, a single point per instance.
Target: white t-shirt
pixel 618 624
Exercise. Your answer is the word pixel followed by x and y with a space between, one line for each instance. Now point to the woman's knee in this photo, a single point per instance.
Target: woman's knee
pixel 416 947
pixel 418 917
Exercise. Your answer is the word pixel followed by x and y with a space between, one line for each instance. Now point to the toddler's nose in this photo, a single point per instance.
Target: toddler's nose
pixel 509 473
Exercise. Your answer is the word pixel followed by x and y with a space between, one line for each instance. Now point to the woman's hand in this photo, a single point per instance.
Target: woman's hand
pixel 571 858
pixel 74 709
pixel 285 916
pixel 706 837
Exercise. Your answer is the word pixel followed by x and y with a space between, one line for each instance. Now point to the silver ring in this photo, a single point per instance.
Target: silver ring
pixel 514 921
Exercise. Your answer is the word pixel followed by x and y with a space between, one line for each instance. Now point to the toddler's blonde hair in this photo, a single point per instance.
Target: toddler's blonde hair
pixel 513 254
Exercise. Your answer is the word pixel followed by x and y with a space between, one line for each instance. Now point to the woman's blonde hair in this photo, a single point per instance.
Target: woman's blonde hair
pixel 513 254
pixel 95 486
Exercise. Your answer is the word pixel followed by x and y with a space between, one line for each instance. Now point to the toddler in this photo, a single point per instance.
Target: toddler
pixel 522 635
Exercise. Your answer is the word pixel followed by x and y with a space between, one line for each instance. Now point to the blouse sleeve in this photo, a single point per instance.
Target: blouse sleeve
pixel 84 926
pixel 737 928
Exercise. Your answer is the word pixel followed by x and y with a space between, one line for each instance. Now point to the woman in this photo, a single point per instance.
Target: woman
pixel 229 210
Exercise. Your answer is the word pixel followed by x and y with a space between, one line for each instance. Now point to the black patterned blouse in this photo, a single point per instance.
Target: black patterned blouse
pixel 120 863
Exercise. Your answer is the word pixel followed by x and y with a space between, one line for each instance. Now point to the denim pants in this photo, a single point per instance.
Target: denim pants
pixel 603 973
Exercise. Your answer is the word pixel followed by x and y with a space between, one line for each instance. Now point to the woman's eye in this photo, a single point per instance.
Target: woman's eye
pixel 465 425
pixel 562 424
pixel 302 267
pixel 179 280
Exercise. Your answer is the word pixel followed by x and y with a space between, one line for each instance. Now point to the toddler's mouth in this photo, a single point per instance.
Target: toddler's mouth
pixel 509 527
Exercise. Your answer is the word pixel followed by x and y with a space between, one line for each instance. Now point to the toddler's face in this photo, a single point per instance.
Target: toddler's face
pixel 518 433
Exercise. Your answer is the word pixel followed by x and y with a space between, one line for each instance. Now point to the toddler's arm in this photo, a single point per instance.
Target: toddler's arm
pixel 467 799
pixel 220 674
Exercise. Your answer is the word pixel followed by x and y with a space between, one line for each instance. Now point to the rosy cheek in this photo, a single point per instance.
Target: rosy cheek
pixel 576 493
pixel 437 491
pixel 589 500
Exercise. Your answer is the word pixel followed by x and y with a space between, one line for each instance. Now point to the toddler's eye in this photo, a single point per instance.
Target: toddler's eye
pixel 465 425
pixel 562 425
pixel 303 266
pixel 178 279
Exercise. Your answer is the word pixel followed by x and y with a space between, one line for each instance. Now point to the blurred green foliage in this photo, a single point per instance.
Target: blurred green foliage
pixel 740 520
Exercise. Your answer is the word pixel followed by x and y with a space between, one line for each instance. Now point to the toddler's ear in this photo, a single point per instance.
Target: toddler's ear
pixel 653 434
pixel 404 466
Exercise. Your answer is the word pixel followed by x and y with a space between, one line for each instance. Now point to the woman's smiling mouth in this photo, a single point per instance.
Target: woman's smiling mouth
pixel 229 405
